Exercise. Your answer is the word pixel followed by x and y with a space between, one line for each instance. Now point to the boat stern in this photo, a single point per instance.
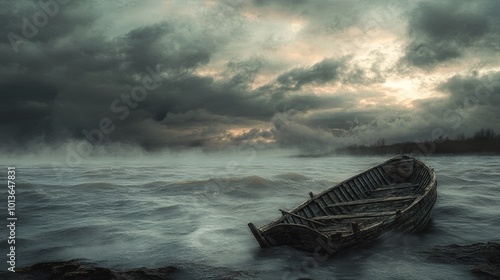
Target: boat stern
pixel 258 236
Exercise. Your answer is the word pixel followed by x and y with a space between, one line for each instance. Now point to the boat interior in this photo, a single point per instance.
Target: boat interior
pixel 364 200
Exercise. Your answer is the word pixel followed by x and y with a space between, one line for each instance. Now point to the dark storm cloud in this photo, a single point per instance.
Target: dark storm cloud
pixel 36 21
pixel 193 99
pixel 485 88
pixel 26 107
pixel 167 45
pixel 328 71
pixel 61 85
pixel 474 100
pixel 66 78
pixel 243 73
pixel 320 73
pixel 472 103
pixel 319 132
pixel 442 31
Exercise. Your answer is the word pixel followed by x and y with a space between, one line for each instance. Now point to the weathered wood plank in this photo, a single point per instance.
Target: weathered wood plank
pixel 370 180
pixel 356 189
pixel 350 191
pixel 306 212
pixel 361 192
pixel 294 220
pixel 374 178
pixel 344 193
pixel 373 200
pixel 360 185
pixel 340 195
pixel 416 174
pixel 315 210
pixel 318 202
pixel 376 174
pixel 396 186
pixel 369 185
pixel 356 216
pixel 425 182
pixel 256 233
pixel 377 180
pixel 333 196
pixel 328 198
pixel 302 218
pixel 336 227
pixel 382 174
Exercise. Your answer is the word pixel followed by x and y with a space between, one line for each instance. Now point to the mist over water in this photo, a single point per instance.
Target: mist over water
pixel 191 210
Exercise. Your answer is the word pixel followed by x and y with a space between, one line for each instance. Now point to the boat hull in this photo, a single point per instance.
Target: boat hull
pixel 332 222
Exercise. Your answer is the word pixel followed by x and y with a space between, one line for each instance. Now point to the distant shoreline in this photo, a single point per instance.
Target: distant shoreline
pixel 441 147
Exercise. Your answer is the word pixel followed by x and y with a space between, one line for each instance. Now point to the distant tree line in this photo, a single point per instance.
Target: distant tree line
pixel 485 134
pixel 484 141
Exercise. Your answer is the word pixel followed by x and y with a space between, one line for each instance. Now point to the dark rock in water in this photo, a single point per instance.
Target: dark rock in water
pixel 79 270
pixel 484 256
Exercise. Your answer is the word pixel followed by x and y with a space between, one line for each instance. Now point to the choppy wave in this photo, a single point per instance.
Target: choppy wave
pixel 292 176
pixel 137 216
pixel 95 185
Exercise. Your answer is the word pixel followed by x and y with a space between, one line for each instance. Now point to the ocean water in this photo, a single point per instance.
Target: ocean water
pixel 191 211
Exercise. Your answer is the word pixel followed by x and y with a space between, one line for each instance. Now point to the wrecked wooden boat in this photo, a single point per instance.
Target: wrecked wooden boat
pixel 394 197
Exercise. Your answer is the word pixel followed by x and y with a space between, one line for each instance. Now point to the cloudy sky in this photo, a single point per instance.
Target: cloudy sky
pixel 307 75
